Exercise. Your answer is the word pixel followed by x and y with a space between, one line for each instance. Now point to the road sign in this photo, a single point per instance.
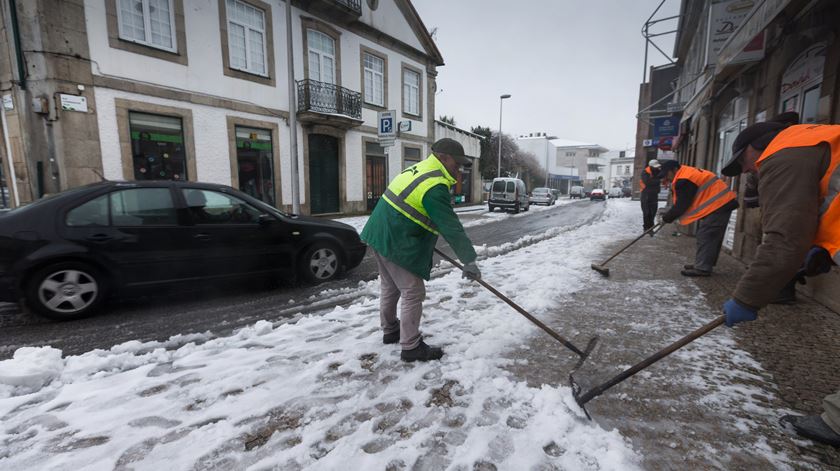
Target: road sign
pixel 405 126
pixel 386 142
pixel 387 124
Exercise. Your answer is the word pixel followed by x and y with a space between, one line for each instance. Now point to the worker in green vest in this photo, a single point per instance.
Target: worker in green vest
pixel 403 230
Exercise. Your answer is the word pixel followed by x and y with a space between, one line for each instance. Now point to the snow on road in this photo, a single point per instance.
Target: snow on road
pixel 323 392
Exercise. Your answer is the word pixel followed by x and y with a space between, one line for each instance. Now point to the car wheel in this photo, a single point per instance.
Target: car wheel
pixel 516 209
pixel 490 209
pixel 65 291
pixel 320 262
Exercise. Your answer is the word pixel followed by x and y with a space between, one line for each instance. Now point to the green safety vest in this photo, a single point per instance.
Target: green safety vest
pixel 405 192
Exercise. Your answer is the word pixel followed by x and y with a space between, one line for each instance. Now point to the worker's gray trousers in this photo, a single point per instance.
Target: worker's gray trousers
pixel 710 233
pixel 397 282
pixel 831 416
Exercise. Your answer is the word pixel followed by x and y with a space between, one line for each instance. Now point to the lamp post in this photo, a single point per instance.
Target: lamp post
pixel 499 167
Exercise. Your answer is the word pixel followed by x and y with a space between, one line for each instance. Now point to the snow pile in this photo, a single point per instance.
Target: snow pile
pixel 324 393
pixel 30 369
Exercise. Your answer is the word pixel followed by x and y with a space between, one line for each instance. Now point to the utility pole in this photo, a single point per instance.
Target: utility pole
pixel 499 167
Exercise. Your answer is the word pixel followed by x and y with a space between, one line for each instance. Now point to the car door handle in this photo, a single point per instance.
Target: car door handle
pixel 99 238
pixel 202 237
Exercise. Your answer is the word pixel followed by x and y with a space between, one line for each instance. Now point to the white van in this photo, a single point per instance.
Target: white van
pixel 508 193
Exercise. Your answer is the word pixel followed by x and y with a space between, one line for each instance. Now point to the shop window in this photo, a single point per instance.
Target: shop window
pixel 147 22
pixel 321 51
pixel 411 92
pixel 213 207
pixel 246 37
pixel 255 163
pixel 800 90
pixel 143 207
pixel 411 156
pixel 733 120
pixel 157 147
pixel 374 70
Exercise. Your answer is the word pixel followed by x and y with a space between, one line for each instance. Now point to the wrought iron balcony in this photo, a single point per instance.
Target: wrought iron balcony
pixel 343 11
pixel 328 103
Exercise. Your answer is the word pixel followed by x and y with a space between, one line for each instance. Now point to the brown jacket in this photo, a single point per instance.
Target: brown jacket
pixel 788 192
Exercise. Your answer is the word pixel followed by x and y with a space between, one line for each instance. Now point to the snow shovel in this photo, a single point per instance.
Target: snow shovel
pixel 582 399
pixel 601 267
pixel 583 354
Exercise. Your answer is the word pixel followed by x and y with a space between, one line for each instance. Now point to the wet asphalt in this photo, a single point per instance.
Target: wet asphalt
pixel 219 309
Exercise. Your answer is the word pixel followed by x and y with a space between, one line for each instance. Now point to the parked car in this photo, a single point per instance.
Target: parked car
pixel 597 194
pixel 510 194
pixel 615 192
pixel 542 196
pixel 577 192
pixel 66 254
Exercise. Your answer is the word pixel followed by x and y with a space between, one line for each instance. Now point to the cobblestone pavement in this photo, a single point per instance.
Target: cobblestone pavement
pixel 714 404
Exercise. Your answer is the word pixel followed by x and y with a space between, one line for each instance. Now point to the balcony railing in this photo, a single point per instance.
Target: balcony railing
pixel 327 98
pixel 355 5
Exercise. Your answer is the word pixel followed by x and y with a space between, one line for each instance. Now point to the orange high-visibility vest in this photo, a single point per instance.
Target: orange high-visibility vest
pixel 808 135
pixel 641 182
pixel 712 193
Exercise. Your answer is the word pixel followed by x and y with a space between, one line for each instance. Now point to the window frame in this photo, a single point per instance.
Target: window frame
pixel 405 112
pixel 268 45
pixel 232 123
pixel 179 56
pixel 321 55
pixel 384 58
pixel 315 25
pixel 248 53
pixel 419 150
pixel 147 26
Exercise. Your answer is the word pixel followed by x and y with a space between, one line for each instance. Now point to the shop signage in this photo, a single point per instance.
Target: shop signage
pixel 757 21
pixel 73 103
pixel 8 103
pixel 675 107
pixel 666 127
pixel 647 143
pixel 725 18
pixel 405 126
pixel 665 143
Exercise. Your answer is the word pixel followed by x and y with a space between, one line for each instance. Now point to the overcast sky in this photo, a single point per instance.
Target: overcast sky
pixel 573 67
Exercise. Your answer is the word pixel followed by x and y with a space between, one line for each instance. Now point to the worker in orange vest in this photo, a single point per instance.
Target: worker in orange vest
pixel 798 168
pixel 649 183
pixel 699 195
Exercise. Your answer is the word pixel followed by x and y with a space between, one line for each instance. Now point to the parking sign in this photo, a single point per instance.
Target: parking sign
pixel 387 128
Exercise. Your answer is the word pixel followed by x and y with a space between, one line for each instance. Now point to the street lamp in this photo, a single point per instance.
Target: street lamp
pixel 499 168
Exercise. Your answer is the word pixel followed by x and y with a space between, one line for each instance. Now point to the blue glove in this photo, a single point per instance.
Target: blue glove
pixel 737 312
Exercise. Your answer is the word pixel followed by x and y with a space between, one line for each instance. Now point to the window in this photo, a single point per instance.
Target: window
pixel 147 22
pixel 321 56
pixel 213 207
pixel 593 168
pixel 157 147
pixel 374 70
pixel 246 37
pixel 411 92
pixel 411 156
pixel 570 154
pixel 92 213
pixel 255 162
pixel 627 170
pixel 142 207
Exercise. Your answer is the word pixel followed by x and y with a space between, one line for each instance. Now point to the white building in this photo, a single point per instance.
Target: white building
pixel 563 172
pixel 586 158
pixel 198 90
pixel 621 169
pixel 469 187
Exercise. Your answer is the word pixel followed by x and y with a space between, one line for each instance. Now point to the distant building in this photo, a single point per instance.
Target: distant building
pixel 621 170
pixel 585 158
pixel 469 187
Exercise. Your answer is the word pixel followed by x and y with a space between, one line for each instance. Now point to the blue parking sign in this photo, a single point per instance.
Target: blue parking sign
pixel 387 124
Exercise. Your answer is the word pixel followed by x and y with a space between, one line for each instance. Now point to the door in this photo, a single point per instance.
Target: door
pixel 323 174
pixel 137 232
pixel 376 181
pixel 233 237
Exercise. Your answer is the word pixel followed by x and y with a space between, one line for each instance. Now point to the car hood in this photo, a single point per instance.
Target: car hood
pixel 313 221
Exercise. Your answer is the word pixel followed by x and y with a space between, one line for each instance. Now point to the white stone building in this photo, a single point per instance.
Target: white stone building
pixel 563 172
pixel 198 90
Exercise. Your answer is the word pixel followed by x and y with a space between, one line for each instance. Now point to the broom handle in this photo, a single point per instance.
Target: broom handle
pixel 519 309
pixel 598 390
pixel 631 243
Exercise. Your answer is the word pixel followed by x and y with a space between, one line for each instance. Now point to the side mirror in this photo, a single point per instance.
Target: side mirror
pixel 265 220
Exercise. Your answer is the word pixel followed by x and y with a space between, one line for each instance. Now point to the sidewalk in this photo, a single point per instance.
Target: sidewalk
pixel 714 404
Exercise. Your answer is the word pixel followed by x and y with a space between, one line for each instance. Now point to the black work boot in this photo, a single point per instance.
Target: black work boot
pixel 695 272
pixel 813 427
pixel 787 295
pixel 393 337
pixel 689 266
pixel 422 352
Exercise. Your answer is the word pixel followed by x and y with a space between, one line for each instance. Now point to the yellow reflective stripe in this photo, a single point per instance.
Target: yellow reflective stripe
pixel 424 221
pixel 417 181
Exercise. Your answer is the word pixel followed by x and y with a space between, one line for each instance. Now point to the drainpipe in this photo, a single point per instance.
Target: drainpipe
pixel 18 51
pixel 292 111
pixel 12 176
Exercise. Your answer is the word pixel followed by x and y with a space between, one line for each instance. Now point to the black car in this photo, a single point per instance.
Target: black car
pixel 65 254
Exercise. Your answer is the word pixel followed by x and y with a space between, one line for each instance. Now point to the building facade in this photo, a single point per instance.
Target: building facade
pixel 468 189
pixel 586 159
pixel 199 91
pixel 781 55
pixel 621 171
